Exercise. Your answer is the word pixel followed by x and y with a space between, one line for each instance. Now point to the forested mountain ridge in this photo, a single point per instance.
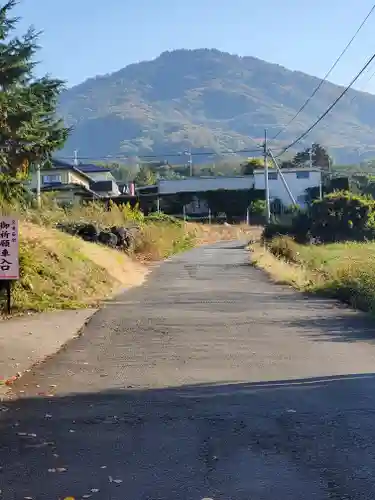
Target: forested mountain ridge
pixel 208 100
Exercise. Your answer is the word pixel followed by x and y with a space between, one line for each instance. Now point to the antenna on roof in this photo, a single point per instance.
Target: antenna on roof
pixel 75 161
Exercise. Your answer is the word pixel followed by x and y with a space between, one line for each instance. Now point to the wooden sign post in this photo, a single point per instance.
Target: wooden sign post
pixel 9 255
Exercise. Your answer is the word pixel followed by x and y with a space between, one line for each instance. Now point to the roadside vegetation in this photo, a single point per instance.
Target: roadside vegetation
pixel 62 271
pixel 328 250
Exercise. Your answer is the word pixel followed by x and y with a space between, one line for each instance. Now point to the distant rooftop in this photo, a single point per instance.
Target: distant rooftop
pixel 86 168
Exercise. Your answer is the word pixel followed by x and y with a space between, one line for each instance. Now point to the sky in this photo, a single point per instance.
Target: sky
pixel 84 38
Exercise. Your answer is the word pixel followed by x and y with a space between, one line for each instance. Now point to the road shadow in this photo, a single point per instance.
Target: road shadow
pixel 265 440
pixel 353 326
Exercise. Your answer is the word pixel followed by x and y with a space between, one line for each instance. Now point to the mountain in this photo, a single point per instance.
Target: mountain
pixel 209 100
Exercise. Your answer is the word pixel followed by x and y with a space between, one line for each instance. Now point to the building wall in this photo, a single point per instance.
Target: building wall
pixel 75 178
pixel 197 206
pixel 201 184
pixel 63 176
pixel 57 174
pixel 297 180
pixel 100 176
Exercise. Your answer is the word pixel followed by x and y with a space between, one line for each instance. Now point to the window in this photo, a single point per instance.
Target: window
pixel 303 174
pixel 272 176
pixel 51 179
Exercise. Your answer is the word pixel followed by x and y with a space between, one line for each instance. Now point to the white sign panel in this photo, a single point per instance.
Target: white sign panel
pixel 9 249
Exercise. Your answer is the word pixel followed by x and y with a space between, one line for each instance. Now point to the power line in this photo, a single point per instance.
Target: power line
pixel 362 90
pixel 372 58
pixel 163 155
pixel 327 75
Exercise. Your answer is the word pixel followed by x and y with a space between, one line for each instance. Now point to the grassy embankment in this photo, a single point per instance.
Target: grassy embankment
pixel 59 271
pixel 345 271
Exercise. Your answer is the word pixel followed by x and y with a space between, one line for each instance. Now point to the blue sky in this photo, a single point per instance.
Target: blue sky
pixel 83 38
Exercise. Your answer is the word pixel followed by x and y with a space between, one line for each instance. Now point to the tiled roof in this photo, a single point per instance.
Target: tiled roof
pixel 90 168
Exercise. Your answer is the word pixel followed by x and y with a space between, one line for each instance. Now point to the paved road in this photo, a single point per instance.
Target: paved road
pixel 206 382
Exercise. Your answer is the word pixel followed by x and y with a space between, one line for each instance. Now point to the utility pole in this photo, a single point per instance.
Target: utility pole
pixel 76 158
pixel 311 157
pixel 190 163
pixel 283 180
pixel 266 183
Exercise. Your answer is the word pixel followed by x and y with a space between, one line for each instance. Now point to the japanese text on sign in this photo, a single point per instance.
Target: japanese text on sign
pixel 9 258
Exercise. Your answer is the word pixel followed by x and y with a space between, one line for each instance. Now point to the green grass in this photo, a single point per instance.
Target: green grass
pixel 345 271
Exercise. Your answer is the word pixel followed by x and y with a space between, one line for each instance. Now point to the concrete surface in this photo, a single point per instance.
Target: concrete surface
pixel 27 340
pixel 206 382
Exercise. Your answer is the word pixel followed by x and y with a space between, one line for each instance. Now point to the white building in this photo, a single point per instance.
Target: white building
pixel 202 184
pixel 298 180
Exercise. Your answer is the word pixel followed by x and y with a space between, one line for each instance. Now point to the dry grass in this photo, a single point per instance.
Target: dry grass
pixel 345 271
pixel 210 233
pixel 281 271
pixel 59 271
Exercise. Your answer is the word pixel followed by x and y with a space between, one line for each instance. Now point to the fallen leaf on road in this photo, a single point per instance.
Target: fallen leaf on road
pixel 71 430
pixel 103 467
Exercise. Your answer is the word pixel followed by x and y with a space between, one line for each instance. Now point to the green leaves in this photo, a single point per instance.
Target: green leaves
pixel 29 128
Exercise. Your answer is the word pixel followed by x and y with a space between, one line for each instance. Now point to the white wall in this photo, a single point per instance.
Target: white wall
pixel 297 185
pixel 198 184
pixel 100 176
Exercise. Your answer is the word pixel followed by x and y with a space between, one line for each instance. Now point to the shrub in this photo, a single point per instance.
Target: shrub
pixel 161 217
pixel 274 229
pixel 342 216
pixel 285 248
pixel 257 207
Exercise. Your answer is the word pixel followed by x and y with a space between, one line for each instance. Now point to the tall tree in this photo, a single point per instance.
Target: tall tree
pixel 145 177
pixel 319 155
pixel 29 129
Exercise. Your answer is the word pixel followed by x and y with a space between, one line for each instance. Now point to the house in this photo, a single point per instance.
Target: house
pixel 297 179
pixel 70 184
pixel 199 185
pixel 102 179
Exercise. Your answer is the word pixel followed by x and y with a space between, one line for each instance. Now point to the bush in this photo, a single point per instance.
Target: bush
pixel 285 248
pixel 257 207
pixel 342 216
pixel 163 218
pixel 274 229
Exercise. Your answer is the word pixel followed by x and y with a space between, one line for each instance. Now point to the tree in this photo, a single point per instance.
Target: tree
pixel 29 129
pixel 320 157
pixel 248 167
pixel 145 177
pixel 287 164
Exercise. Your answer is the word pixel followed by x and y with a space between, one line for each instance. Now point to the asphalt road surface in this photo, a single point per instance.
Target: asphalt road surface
pixel 206 382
